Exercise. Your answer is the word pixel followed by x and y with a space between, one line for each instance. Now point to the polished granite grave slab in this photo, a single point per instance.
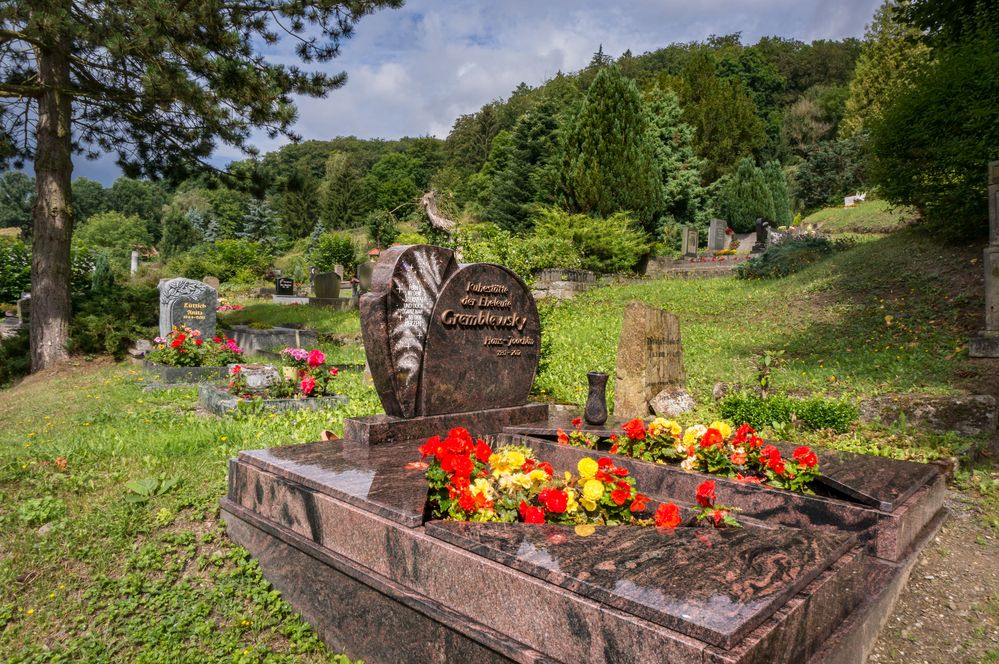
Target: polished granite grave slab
pixel 381 429
pixel 380 478
pixel 887 535
pixel 713 585
pixel 877 481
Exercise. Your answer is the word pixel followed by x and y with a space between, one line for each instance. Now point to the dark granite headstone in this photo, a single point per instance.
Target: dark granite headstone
pixel 483 343
pixel 440 339
pixel 762 232
pixel 187 302
pixel 326 285
pixel 284 286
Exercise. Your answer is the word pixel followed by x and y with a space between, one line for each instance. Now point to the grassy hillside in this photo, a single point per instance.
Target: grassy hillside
pixel 869 217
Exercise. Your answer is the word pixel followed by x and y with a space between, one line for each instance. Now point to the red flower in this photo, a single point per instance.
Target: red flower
pixel 712 438
pixel 527 466
pixel 717 516
pixel 805 457
pixel 483 451
pixel 334 371
pixel 770 455
pixel 621 484
pixel 460 433
pixel 181 337
pixel 457 464
pixel 563 437
pixel 635 429
pixel 613 449
pixel 431 447
pixel 308 384
pixel 547 467
pixel 315 358
pixel 754 442
pixel 554 500
pixel 706 493
pixel 467 502
pixel 748 479
pixel 667 516
pixel 639 503
pixel 742 434
pixel 198 342
pixel 603 477
pixel 603 463
pixel 217 340
pixel 531 514
pixel 176 342
pixel 577 422
pixel 738 457
pixel 620 472
pixel 620 496
pixel 236 369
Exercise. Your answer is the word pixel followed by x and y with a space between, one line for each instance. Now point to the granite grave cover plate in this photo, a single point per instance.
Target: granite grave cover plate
pixel 712 585
pixel 373 477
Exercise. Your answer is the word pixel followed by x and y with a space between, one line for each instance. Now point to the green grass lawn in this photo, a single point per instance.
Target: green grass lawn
pixel 320 319
pixel 868 217
pixel 88 574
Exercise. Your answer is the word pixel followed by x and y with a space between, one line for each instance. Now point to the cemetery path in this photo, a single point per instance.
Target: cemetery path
pixel 949 610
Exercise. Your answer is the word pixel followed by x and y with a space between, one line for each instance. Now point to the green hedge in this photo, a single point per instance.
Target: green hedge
pixel 814 413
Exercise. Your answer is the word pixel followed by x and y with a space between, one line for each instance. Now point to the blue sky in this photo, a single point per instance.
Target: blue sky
pixel 412 71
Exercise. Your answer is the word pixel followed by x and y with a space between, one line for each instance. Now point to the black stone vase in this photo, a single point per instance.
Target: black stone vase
pixel 596 403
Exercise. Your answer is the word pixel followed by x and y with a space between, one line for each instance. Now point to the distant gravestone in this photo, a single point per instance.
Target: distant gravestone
pixel 762 233
pixel 213 282
pixel 339 270
pixel 364 272
pixel 649 359
pixel 284 286
pixel 326 285
pixel 187 302
pixel 716 235
pixel 690 241
pixel 442 338
pixel 24 308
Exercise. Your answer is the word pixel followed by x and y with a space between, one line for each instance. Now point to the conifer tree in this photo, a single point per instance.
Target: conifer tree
pixel 608 162
pixel 260 224
pixel 684 199
pixel 744 197
pixel 773 174
pixel 342 195
pixel 157 83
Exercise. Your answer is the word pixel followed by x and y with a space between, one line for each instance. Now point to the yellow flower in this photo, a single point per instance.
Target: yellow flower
pixel 587 468
pixel 693 434
pixel 661 425
pixel 512 481
pixel 593 489
pixel 539 475
pixel 482 486
pixel 723 427
pixel 585 530
pixel 570 501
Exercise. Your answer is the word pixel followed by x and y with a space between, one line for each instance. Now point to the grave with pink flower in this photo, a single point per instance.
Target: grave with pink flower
pixel 469 524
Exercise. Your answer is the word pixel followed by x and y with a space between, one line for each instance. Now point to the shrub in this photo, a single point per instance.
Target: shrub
pixel 789 257
pixel 15 358
pixel 334 249
pixel 224 259
pixel 382 227
pixel 114 234
pixel 612 244
pixel 744 197
pixel 109 321
pixel 813 413
pixel 15 270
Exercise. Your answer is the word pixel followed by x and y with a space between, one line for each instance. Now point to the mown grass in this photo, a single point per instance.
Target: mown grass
pixel 320 319
pixel 86 575
pixel 872 216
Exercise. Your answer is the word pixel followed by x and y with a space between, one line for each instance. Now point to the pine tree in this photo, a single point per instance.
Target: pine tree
pixel 102 280
pixel 179 234
pixel 260 224
pixel 684 199
pixel 608 162
pixel 744 197
pixel 158 83
pixel 777 184
pixel 342 195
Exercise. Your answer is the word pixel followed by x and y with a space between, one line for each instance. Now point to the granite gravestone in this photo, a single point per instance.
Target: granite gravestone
pixel 762 233
pixel 186 302
pixel 690 241
pixel 716 235
pixel 326 285
pixel 649 359
pixel 284 286
pixel 442 338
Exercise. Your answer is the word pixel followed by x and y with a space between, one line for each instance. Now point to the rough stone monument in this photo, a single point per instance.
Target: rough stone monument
pixel 187 302
pixel 690 241
pixel 986 342
pixel 649 364
pixel 326 285
pixel 716 235
pixel 364 272
pixel 213 282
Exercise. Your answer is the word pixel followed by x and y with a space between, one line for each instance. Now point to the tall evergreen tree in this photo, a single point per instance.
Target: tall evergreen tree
pixel 343 198
pixel 157 83
pixel 608 162
pixel 773 174
pixel 684 199
pixel 744 197
pixel 260 224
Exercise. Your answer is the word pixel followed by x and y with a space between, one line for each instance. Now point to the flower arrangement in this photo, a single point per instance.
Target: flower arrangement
pixel 577 437
pixel 470 481
pixel 305 375
pixel 222 308
pixel 185 347
pixel 717 450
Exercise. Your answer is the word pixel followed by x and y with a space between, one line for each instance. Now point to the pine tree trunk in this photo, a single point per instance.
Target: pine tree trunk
pixel 52 214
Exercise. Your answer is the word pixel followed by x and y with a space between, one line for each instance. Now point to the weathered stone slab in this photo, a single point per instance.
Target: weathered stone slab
pixel 970 415
pixel 220 402
pixel 483 343
pixel 187 302
pixel 395 317
pixel 649 359
pixel 716 235
pixel 326 285
pixel 690 241
pixel 672 402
